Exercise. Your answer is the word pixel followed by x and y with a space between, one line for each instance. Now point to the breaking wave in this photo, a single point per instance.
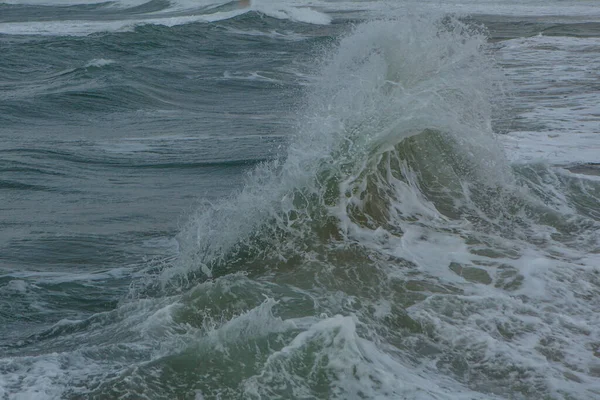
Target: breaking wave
pixel 390 252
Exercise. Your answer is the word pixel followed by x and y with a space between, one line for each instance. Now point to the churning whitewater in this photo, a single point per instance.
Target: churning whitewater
pixel 383 247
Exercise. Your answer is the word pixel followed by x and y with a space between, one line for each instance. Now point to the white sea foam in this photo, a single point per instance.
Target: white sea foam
pixel 285 35
pixel 554 8
pixel 298 14
pixel 98 63
pixel 15 286
pixel 63 277
pixel 561 147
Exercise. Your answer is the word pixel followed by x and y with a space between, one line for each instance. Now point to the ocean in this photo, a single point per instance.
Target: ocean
pixel 292 199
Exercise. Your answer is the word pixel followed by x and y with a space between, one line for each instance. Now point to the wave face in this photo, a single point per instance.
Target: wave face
pixel 390 252
pixel 394 98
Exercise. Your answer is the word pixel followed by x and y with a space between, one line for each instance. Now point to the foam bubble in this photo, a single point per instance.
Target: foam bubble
pixel 99 63
pixel 15 286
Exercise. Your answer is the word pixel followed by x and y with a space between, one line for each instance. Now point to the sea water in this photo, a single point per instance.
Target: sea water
pixel 299 200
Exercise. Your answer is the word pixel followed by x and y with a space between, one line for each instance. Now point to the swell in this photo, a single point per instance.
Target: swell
pixel 14 185
pixel 72 82
pixel 504 28
pixel 94 11
pixel 135 19
pixel 65 157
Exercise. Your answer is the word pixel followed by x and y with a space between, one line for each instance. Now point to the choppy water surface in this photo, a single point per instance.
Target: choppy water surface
pixel 351 200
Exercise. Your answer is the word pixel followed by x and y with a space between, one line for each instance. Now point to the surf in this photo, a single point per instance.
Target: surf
pixel 394 198
pixel 389 250
pixel 386 82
